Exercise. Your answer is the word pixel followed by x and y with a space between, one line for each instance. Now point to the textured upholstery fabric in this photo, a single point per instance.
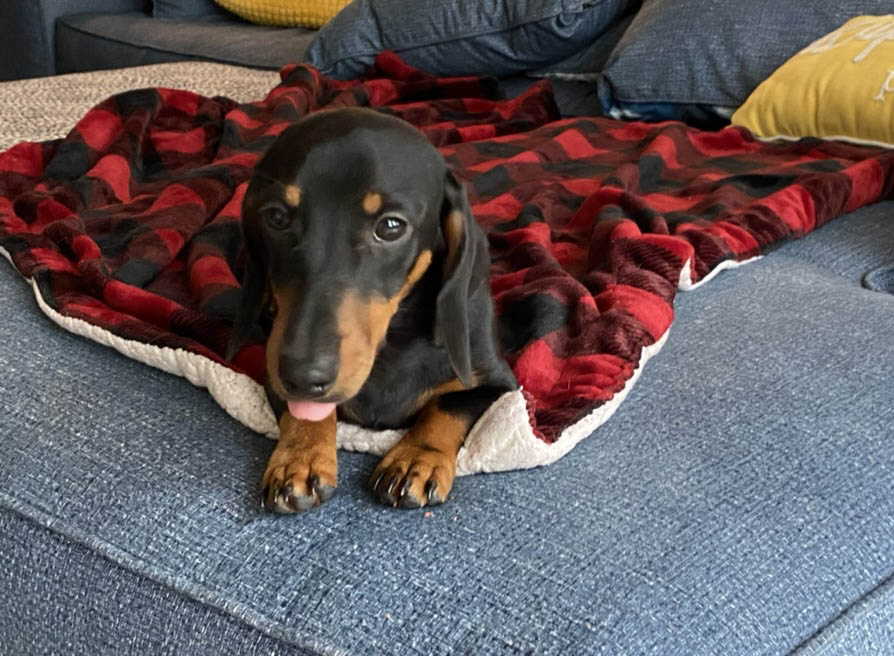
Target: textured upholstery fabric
pixel 186 8
pixel 95 41
pixel 748 511
pixel 738 503
pixel 455 37
pixel 728 49
pixel 26 49
pixel 99 607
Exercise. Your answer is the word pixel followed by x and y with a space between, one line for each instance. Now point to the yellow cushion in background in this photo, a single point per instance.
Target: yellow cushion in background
pixel 285 13
pixel 839 87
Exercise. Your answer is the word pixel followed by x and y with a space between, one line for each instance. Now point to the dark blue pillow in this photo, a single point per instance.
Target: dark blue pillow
pixel 460 37
pixel 709 55
pixel 187 9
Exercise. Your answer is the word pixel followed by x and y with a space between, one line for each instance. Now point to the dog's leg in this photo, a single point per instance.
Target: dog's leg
pixel 419 470
pixel 302 471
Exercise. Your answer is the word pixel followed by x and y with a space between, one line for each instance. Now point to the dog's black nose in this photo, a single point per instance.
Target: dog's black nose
pixel 308 378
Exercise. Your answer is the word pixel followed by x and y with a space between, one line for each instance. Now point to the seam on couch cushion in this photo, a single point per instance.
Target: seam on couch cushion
pixel 187 587
pixel 139 46
pixel 185 54
pixel 118 576
pixel 836 629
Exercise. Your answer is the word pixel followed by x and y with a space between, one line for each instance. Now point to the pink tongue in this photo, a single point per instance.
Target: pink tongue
pixel 310 411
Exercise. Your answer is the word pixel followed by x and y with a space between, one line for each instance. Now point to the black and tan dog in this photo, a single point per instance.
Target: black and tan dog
pixel 365 260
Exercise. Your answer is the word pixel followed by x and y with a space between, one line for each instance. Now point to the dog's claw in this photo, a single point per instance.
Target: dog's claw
pixel 281 497
pixel 391 483
pixel 431 488
pixel 405 486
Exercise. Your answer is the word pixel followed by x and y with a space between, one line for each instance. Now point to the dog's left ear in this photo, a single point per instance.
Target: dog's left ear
pixel 466 266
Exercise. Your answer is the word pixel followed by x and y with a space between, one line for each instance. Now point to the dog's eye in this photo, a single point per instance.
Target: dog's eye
pixel 276 217
pixel 390 228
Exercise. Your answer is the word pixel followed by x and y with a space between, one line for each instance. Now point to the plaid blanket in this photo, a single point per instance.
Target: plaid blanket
pixel 129 230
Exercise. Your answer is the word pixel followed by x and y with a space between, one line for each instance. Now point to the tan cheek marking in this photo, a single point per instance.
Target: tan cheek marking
pixel 372 202
pixel 292 195
pixel 274 341
pixel 362 324
pixel 420 266
pixel 356 354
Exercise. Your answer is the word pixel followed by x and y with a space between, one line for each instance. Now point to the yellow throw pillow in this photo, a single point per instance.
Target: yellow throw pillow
pixel 839 87
pixel 285 13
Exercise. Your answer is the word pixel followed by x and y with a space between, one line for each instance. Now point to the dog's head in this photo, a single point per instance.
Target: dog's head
pixel 346 212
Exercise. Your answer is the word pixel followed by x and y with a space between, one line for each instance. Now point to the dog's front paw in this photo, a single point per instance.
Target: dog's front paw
pixel 298 478
pixel 411 476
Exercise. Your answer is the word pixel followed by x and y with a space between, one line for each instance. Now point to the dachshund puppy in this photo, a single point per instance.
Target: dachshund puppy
pixel 370 276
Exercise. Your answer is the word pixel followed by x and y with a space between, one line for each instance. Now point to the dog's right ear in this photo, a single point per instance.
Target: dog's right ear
pixel 254 296
pixel 254 291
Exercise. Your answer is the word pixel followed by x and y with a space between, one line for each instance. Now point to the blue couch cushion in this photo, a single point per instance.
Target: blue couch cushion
pixel 712 53
pixel 739 502
pixel 187 9
pixel 86 42
pixel 454 37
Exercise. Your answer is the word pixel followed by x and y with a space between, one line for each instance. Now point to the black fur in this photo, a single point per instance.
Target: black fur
pixel 443 329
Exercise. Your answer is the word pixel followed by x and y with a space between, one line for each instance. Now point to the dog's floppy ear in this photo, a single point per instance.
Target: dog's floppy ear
pixel 465 265
pixel 254 289
pixel 254 295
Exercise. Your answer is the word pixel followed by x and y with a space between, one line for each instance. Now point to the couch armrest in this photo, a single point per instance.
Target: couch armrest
pixel 27 46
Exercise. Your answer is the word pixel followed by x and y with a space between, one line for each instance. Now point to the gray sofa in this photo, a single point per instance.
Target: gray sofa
pixel 739 502
pixel 47 37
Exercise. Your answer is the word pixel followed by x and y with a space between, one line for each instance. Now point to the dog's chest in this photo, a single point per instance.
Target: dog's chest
pixel 401 377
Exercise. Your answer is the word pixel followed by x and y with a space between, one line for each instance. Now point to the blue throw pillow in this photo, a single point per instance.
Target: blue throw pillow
pixel 460 37
pixel 187 9
pixel 684 56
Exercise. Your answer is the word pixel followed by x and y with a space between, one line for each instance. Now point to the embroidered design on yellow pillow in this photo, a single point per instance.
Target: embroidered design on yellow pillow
pixel 285 13
pixel 839 87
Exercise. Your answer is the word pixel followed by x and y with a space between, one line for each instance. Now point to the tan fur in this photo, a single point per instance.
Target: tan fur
pixel 427 452
pixel 292 195
pixel 274 341
pixel 372 202
pixel 444 388
pixel 362 324
pixel 453 231
pixel 305 449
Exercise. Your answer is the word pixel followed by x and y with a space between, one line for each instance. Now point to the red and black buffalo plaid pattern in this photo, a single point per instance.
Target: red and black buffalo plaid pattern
pixel 131 222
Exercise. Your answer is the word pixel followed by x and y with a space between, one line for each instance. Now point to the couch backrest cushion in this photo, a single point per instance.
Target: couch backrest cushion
pixel 187 9
pixel 713 53
pixel 461 37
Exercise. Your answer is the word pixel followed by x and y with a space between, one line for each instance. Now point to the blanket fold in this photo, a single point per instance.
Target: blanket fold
pixel 130 226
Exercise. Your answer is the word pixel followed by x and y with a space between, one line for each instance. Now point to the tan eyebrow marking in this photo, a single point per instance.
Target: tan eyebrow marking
pixel 372 202
pixel 292 195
